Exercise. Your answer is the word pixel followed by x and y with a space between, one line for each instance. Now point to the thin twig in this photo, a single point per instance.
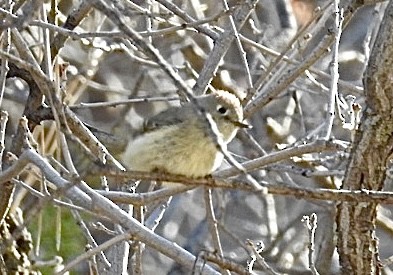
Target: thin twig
pixel 83 105
pixel 261 81
pixel 311 224
pixel 221 46
pixel 212 223
pixel 6 46
pixel 337 30
pixel 343 84
pixel 86 232
pixel 3 125
pixel 98 249
pixel 187 18
pixel 269 92
pixel 243 55
pixel 144 198
pixel 256 257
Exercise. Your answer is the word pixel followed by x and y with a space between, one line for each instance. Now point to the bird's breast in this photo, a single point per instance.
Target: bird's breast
pixel 187 151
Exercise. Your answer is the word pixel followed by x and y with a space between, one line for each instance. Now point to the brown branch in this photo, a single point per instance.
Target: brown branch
pixel 354 196
pixel 224 263
pixel 73 20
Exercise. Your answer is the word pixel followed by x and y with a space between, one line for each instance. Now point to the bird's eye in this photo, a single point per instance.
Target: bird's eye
pixel 221 109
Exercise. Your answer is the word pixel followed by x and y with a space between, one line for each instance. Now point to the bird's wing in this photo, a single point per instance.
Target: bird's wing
pixel 169 117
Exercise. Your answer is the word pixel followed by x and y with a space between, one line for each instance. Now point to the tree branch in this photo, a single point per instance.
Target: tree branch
pixel 372 149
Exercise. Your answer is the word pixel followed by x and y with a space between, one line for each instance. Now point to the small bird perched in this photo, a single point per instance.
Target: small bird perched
pixel 177 140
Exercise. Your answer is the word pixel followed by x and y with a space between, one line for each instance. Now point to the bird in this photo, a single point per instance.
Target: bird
pixel 178 140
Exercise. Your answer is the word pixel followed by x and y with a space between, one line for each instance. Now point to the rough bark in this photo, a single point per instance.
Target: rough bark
pixel 357 243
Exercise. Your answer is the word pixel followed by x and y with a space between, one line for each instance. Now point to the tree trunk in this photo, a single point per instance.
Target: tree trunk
pixel 357 243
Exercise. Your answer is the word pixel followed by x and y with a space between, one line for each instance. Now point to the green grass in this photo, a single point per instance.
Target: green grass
pixel 72 240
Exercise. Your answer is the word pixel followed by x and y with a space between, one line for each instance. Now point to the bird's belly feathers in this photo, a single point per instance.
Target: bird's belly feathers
pixel 187 152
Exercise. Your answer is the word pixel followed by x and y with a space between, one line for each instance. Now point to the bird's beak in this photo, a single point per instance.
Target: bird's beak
pixel 242 124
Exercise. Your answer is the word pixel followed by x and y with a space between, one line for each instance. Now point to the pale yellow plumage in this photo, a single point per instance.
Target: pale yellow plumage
pixel 177 140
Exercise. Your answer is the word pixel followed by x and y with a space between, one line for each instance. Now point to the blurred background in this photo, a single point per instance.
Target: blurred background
pixel 96 63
